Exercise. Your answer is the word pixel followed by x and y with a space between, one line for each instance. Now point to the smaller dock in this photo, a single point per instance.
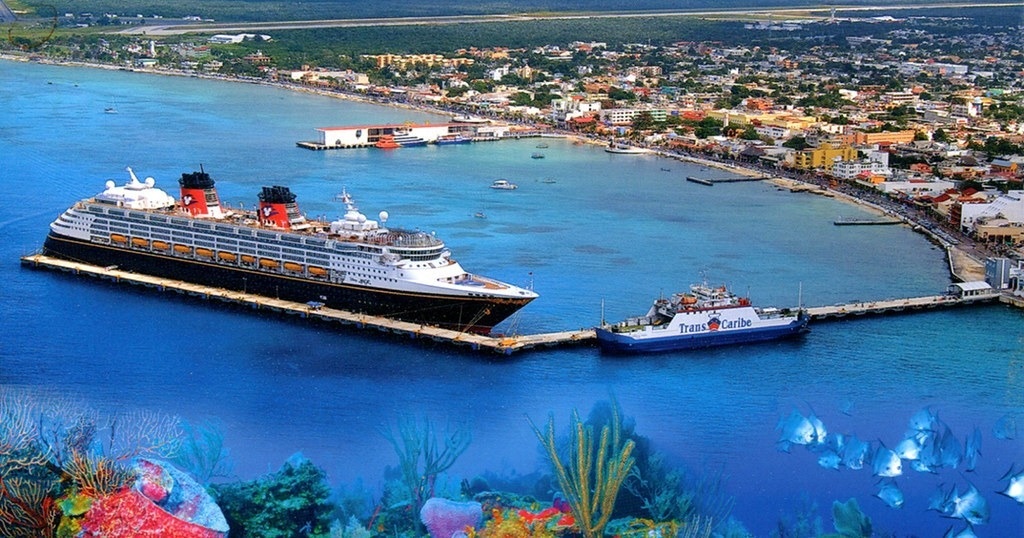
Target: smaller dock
pixel 710 182
pixel 503 344
pixel 866 222
pixel 895 306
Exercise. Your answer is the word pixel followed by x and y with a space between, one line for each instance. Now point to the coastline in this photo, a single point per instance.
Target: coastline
pixel 962 264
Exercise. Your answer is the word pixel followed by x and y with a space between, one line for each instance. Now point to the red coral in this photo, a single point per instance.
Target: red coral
pixel 129 514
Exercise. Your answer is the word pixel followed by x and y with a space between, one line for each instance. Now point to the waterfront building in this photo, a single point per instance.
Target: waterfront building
pixel 625 116
pixel 823 157
pixel 1002 219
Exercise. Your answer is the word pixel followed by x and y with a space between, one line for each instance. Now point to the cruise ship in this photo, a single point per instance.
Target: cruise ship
pixel 353 263
pixel 706 316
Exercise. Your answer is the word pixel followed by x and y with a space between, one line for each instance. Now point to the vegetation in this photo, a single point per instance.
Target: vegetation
pixel 593 473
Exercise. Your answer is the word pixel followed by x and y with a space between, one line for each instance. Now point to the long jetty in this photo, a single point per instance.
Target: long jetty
pixel 503 344
pixel 710 182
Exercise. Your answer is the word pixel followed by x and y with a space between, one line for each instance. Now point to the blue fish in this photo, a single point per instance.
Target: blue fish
pixel 967 532
pixel 800 430
pixel 1015 488
pixel 970 507
pixel 829 459
pixel 923 420
pixel 908 449
pixel 972 449
pixel 950 451
pixel 1005 428
pixel 856 453
pixel 929 456
pixel 941 500
pixel 886 463
pixel 891 495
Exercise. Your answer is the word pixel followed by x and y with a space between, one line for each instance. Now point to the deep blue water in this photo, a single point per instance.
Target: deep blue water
pixel 612 228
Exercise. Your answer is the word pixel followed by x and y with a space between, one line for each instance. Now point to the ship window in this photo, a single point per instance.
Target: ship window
pixel 205 243
pixel 157 218
pixel 180 222
pixel 201 225
pixel 223 228
pixel 222 241
pixel 291 238
pixel 183 235
pixel 247 250
pixel 266 235
pixel 118 212
pixel 165 237
pixel 293 251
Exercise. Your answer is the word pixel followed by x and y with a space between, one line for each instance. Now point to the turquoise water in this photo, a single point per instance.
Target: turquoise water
pixel 615 230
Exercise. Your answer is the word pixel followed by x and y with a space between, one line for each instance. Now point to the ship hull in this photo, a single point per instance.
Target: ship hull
pixel 625 343
pixel 475 314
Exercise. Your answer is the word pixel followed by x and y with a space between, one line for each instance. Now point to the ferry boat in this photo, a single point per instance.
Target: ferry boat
pixel 504 185
pixel 450 139
pixel 704 317
pixel 387 142
pixel 352 263
pixel 408 140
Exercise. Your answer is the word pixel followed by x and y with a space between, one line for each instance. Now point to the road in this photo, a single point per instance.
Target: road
pixel 185 27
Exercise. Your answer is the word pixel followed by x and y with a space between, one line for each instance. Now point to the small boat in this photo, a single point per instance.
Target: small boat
pixel 666 169
pixel 450 139
pixel 407 140
pixel 503 184
pixel 387 142
pixel 706 316
pixel 479 215
pixel 110 110
pixel 542 145
pixel 548 180
pixel 537 156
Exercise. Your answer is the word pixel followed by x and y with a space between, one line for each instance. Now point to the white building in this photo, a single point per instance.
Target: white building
pixel 1009 206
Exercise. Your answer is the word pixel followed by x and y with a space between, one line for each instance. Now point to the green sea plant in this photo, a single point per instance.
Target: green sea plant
pixel 202 452
pixel 594 470
pixel 849 521
pixel 422 456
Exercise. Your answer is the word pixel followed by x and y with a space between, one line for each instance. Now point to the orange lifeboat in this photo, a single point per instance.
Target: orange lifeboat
pixel 227 256
pixel 317 271
pixel 204 252
pixel 294 267
pixel 248 259
pixel 183 249
pixel 161 245
pixel 118 238
pixel 140 242
pixel 269 263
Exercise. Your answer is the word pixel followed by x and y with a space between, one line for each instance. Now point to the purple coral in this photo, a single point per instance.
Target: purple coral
pixel 444 518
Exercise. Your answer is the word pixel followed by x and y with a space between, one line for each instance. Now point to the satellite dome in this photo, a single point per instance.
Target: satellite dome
pixel 150 182
pixel 362 218
pixel 110 184
pixel 383 216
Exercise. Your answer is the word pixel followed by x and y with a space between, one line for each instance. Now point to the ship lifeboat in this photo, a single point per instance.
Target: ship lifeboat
pixel 267 263
pixel 247 259
pixel 204 252
pixel 118 238
pixel 183 249
pixel 689 299
pixel 293 267
pixel 227 256
pixel 161 245
pixel 317 271
pixel 140 242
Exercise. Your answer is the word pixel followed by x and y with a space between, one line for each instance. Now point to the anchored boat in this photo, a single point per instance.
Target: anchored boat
pixel 704 317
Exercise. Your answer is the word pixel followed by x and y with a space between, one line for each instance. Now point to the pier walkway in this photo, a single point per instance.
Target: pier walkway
pixel 892 306
pixel 503 344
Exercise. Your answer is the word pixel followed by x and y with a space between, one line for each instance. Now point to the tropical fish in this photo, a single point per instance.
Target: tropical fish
pixel 829 459
pixel 855 453
pixel 929 456
pixel 886 463
pixel 1005 428
pixel 923 420
pixel 890 494
pixel 972 449
pixel 1015 489
pixel 908 449
pixel 940 500
pixel 949 449
pixel 971 506
pixel 800 430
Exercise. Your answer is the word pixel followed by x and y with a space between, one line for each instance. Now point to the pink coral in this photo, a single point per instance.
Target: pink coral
pixel 444 517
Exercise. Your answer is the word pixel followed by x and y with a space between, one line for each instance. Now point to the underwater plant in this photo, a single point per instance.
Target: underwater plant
pixel 202 452
pixel 849 521
pixel 594 472
pixel 422 456
pixel 290 503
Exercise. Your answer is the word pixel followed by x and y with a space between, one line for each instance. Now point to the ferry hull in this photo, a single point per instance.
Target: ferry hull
pixel 475 314
pixel 624 343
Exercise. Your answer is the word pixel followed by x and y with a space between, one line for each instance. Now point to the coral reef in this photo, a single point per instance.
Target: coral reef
pixel 444 518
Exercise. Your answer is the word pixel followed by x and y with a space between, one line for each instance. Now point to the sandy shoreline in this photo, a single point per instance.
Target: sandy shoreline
pixel 962 265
